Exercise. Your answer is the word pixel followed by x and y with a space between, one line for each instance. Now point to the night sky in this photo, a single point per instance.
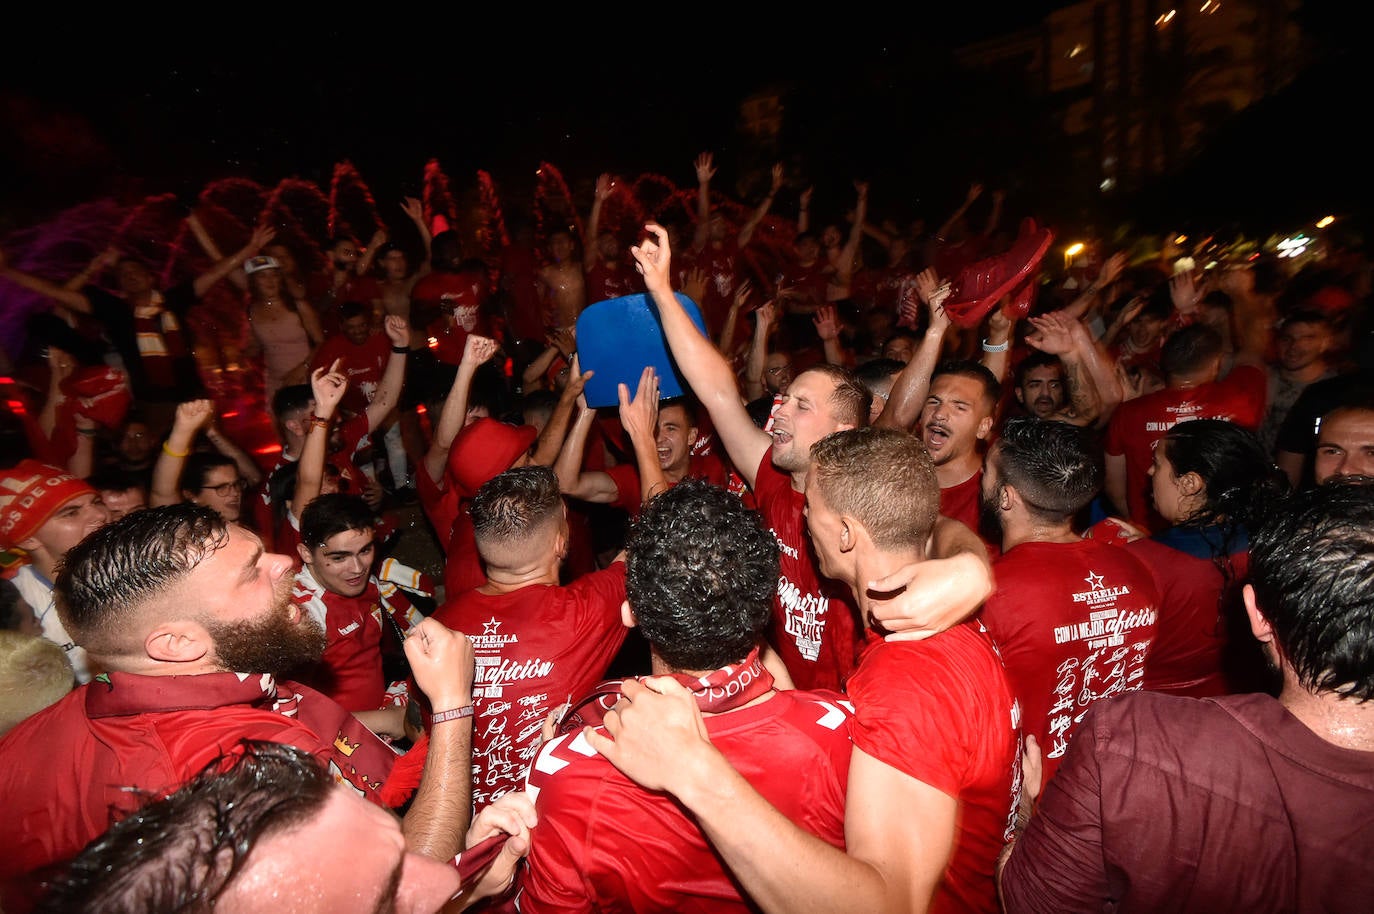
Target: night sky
pixel 125 107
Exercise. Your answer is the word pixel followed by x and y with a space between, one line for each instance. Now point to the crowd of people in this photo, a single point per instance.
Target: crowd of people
pixel 949 581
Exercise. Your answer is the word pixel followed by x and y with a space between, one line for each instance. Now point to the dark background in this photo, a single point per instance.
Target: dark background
pixel 127 105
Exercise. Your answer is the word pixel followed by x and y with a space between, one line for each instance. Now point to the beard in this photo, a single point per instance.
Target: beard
pixel 272 644
pixel 990 517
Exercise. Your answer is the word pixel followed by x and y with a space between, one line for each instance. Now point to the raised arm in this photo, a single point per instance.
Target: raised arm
pixel 476 351
pixel 64 296
pixel 727 332
pixel 707 371
pixel 912 385
pixel 764 317
pixel 746 232
pixel 1084 303
pixel 804 210
pixel 844 267
pixel 393 378
pixel 575 481
pixel 591 255
pixel 190 418
pixel 261 236
pixel 363 265
pixel 442 662
pixel 550 441
pixel 997 344
pixel 248 467
pixel 103 261
pixel 705 171
pixel 211 248
pixel 416 211
pixel 639 417
pixel 827 321
pixel 328 386
pixel 975 191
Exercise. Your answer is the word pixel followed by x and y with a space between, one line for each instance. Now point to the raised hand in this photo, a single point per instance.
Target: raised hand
pixel 1184 292
pixel 975 190
pixel 695 286
pixel 328 386
pixel 806 197
pixel 777 177
pixel 765 315
pixel 378 238
pixel 1112 269
pixel 742 293
pixel 478 349
pixel 193 414
pixel 705 169
pixel 414 209
pixel 442 662
pixel 640 415
pixel 652 258
pixel 261 237
pixel 827 322
pixel 1053 333
pixel 397 330
pixel 604 187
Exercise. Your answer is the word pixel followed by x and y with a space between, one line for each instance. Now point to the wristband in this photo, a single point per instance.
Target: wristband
pixel 996 347
pixel 438 717
pixel 317 422
pixel 171 453
pixel 89 433
pixel 400 350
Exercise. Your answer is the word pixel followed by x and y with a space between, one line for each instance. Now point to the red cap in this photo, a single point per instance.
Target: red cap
pixel 30 493
pixel 485 449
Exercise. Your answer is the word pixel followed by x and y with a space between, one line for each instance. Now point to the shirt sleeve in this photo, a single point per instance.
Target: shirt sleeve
pixel 1057 863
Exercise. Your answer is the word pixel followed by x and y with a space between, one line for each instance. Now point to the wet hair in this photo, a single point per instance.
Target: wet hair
pixel 1241 483
pixel 686 404
pixel 967 368
pixel 108 576
pixel 180 852
pixel 197 469
pixel 875 370
pixel 1037 359
pixel 1312 568
pixel 700 573
pixel 1052 465
pixel 850 400
pixel 513 504
pixel 883 478
pixel 1189 350
pixel 332 514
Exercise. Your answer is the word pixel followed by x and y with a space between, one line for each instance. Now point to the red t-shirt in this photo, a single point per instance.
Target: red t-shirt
pixel 106 746
pixel 363 365
pixel 1187 655
pixel 814 622
pixel 962 502
pixel 535 648
pixel 604 282
pixel 1073 622
pixel 941 711
pixel 720 265
pixel 605 844
pixel 1137 424
pixel 627 482
pixel 808 283
pixel 350 672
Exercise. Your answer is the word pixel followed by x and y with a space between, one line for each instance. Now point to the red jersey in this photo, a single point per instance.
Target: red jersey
pixel 458 297
pixel 814 619
pixel 605 844
pixel 350 672
pixel 1187 655
pixel 603 282
pixel 963 502
pixel 107 746
pixel 808 283
pixel 941 711
pixel 1137 424
pixel 535 648
pixel 628 484
pixel 720 264
pixel 1073 622
pixel 363 365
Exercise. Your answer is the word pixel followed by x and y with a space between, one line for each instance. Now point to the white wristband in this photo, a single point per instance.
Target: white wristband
pixel 996 347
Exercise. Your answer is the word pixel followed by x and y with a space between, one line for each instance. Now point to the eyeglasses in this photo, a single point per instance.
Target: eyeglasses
pixel 780 369
pixel 224 490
